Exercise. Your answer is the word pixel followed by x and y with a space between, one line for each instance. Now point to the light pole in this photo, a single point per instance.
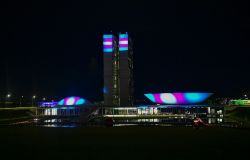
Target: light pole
pixel 20 101
pixel 32 100
pixel 7 98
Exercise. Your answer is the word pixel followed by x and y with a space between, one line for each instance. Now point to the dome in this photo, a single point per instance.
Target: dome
pixel 178 98
pixel 73 100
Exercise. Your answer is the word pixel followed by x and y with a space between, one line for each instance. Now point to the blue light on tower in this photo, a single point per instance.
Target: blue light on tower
pixel 107 43
pixel 123 42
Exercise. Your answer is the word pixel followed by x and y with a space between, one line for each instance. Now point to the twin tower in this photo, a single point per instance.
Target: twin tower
pixel 118 70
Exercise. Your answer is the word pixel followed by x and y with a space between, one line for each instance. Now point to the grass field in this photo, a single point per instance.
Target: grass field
pixel 240 114
pixel 10 115
pixel 123 143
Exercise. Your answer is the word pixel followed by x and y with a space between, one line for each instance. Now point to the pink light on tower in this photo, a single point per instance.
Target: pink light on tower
pixel 123 42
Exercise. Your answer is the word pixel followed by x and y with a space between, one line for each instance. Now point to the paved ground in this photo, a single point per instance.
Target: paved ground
pixel 124 143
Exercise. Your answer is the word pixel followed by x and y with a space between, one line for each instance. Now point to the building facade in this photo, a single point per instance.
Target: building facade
pixel 111 68
pixel 126 70
pixel 118 70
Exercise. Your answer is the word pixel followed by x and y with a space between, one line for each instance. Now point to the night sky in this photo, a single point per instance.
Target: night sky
pixel 54 49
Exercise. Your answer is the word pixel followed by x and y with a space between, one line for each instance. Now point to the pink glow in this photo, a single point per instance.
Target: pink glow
pixel 158 98
pixel 108 40
pixel 123 45
pixel 123 39
pixel 179 97
pixel 108 46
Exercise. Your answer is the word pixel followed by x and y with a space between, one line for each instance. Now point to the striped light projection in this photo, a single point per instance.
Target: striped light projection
pixel 69 101
pixel 107 43
pixel 123 42
pixel 178 98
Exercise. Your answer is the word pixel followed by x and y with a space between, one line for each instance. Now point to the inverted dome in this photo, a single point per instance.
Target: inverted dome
pixel 178 98
pixel 73 100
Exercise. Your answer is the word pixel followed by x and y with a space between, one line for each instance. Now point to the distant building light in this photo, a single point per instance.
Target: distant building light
pixel 47 104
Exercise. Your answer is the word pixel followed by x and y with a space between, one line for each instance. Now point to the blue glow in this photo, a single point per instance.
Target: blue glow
pixel 195 97
pixel 123 48
pixel 47 104
pixel 61 102
pixel 80 101
pixel 150 97
pixel 107 36
pixel 105 90
pixel 143 107
pixel 108 50
pixel 123 35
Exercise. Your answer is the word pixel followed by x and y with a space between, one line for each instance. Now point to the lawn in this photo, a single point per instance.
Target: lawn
pixel 240 114
pixel 124 143
pixel 9 115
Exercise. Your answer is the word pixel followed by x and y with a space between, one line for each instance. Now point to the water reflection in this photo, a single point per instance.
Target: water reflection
pixel 57 122
pixel 173 121
pixel 60 125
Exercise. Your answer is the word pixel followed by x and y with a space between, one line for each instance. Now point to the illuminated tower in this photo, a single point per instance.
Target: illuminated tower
pixel 111 68
pixel 118 70
pixel 126 70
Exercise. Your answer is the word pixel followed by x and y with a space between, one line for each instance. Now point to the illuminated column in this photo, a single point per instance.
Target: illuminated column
pixel 111 67
pixel 126 70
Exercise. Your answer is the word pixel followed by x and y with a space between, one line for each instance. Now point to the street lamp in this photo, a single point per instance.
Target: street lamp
pixel 8 95
pixel 7 98
pixel 245 96
pixel 32 100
